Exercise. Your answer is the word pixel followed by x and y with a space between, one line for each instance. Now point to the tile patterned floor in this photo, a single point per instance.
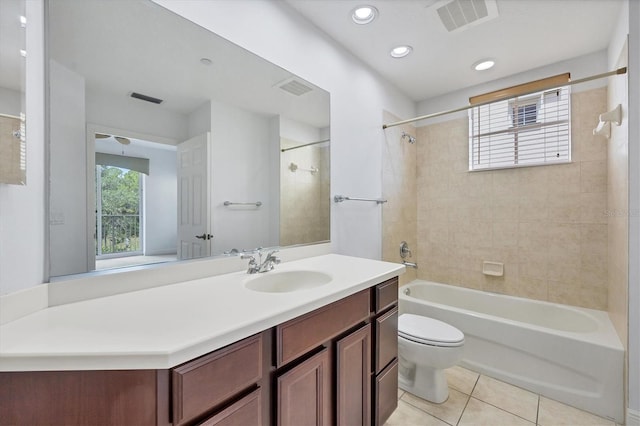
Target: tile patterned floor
pixel 475 399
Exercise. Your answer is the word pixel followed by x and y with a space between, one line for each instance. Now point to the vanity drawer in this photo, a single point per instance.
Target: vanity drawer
pixel 386 294
pixel 200 385
pixel 247 411
pixel 386 339
pixel 386 394
pixel 300 335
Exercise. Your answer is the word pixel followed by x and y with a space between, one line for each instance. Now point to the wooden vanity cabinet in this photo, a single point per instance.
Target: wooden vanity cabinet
pixel 336 365
pixel 385 359
pixel 304 392
pixel 359 336
pixel 201 385
pixel 353 371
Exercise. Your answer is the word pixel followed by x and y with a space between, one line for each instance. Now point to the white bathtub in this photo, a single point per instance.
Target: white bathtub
pixel 566 353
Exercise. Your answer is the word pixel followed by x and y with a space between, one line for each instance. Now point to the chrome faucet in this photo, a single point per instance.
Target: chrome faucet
pixel 259 267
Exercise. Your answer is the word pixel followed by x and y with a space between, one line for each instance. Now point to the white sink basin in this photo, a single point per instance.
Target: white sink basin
pixel 287 281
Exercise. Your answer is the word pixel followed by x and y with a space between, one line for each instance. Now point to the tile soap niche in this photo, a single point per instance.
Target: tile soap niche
pixel 495 269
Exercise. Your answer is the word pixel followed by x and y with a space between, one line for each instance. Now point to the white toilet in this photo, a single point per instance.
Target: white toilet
pixel 427 347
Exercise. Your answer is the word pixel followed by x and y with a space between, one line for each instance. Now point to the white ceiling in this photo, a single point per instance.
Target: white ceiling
pixel 527 34
pixel 138 46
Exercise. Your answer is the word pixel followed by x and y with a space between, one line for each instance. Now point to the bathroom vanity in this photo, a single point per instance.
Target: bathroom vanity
pixel 323 355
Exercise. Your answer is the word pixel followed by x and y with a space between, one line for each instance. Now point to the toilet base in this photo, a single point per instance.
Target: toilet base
pixel 427 383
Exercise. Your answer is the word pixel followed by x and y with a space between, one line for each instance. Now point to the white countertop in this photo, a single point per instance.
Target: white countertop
pixel 162 327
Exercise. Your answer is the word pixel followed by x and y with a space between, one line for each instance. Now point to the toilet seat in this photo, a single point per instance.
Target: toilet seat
pixel 429 331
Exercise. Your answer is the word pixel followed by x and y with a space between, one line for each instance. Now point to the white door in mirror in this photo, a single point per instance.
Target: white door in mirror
pixel 194 218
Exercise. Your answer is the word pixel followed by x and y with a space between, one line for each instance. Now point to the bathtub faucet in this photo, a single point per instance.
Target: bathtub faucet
pixel 413 265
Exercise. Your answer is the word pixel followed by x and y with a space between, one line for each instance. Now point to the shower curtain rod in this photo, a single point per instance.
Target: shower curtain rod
pixel 302 146
pixel 622 70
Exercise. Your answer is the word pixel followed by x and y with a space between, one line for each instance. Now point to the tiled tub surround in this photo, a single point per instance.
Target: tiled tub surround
pixel 158 328
pixel 546 224
pixel 399 214
pixel 304 196
pixel 565 353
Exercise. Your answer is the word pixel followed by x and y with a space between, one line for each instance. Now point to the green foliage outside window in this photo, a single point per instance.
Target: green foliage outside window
pixel 120 212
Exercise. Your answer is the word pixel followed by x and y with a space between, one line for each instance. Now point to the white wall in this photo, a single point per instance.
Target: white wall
pixel 241 172
pixel 200 120
pixel 161 203
pixel 10 101
pixel 23 241
pixel 580 67
pixel 275 32
pixel 67 175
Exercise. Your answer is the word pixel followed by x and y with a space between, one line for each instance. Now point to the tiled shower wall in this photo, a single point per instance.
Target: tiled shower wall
pixel 547 224
pixel 304 196
pixel 618 204
pixel 399 214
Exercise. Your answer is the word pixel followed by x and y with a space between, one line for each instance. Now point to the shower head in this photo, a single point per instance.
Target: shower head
pixel 407 135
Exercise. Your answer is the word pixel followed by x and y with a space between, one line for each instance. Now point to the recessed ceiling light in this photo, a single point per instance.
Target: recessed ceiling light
pixel 401 51
pixel 364 14
pixel 23 53
pixel 206 61
pixel 485 64
pixel 23 21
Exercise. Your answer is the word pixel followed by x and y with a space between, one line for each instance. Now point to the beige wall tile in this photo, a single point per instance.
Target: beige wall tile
pixel 547 224
pixel 593 176
pixel 617 205
pixel 593 207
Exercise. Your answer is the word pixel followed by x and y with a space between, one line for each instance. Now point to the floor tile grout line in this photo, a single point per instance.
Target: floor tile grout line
pixel 428 413
pixel 468 399
pixel 506 411
pixel 465 408
pixel 502 409
pixel 538 412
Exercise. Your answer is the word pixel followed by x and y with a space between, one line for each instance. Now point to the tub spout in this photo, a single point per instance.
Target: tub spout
pixel 413 265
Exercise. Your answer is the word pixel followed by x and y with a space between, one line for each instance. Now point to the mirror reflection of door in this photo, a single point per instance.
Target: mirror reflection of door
pixel 194 218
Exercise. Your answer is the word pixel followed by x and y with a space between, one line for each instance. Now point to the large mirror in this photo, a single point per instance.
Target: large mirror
pixel 168 142
pixel 13 21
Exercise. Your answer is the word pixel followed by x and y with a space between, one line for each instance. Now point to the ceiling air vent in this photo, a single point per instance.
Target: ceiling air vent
pixel 294 86
pixel 145 98
pixel 457 15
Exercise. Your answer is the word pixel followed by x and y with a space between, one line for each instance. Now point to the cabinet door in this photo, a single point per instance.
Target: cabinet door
pixel 353 372
pixel 247 411
pixel 304 393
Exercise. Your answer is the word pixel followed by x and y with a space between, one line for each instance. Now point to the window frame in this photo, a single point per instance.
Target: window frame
pixel 518 101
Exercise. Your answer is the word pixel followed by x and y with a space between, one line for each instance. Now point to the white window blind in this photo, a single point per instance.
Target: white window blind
pixel 529 130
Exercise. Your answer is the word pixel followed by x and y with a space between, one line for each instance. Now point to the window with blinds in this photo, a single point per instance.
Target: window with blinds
pixel 528 130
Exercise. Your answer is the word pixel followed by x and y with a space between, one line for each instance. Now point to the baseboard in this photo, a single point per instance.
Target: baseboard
pixel 633 417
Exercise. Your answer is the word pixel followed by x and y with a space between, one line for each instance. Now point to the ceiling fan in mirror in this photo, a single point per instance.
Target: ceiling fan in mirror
pixel 120 139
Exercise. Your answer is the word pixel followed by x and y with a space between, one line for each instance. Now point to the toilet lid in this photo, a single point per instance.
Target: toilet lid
pixel 429 331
